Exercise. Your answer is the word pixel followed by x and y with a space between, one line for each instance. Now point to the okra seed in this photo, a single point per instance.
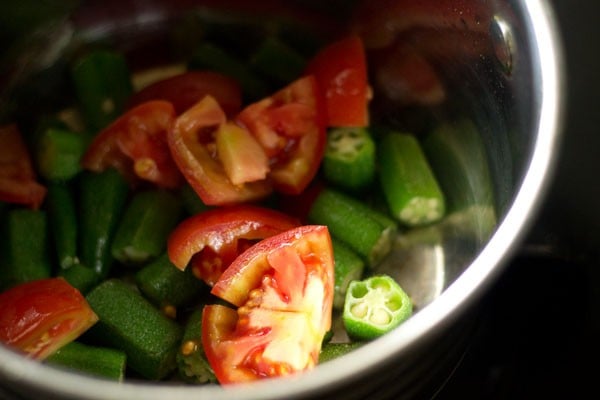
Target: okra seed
pixel 359 310
pixel 170 311
pixel 189 347
pixel 108 106
pixel 380 317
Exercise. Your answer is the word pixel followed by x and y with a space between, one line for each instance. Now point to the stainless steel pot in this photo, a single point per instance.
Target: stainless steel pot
pixel 498 63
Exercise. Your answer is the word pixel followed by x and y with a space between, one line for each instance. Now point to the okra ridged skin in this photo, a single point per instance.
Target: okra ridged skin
pixel 103 362
pixel 348 267
pixel 142 232
pixel 192 364
pixel 330 350
pixel 410 187
pixel 130 323
pixel 62 215
pixel 58 154
pixel 102 199
pixel 24 248
pixel 459 159
pixel 102 83
pixel 366 231
pixel 166 285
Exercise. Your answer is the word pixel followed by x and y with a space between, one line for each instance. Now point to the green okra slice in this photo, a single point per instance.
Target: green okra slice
pixel 332 350
pixel 411 189
pixel 277 61
pixel 130 323
pixel 375 306
pixel 147 221
pixel 80 277
pixel 192 364
pixel 103 85
pixel 62 215
pixel 366 231
pixel 349 159
pixel 102 199
pixel 192 203
pixel 348 267
pixel 213 57
pixel 459 159
pixel 24 247
pixel 58 154
pixel 166 285
pixel 98 361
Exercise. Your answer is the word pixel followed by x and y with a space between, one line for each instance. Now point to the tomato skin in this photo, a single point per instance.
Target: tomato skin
pixel 283 288
pixel 186 89
pixel 190 140
pixel 18 182
pixel 136 145
pixel 290 125
pixel 341 71
pixel 222 232
pixel 39 317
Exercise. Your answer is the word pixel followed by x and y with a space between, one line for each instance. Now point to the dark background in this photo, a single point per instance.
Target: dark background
pixel 541 331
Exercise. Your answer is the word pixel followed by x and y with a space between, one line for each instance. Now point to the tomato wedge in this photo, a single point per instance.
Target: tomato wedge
pixel 213 239
pixel 192 143
pixel 136 145
pixel 290 126
pixel 18 182
pixel 341 71
pixel 186 89
pixel 283 288
pixel 39 317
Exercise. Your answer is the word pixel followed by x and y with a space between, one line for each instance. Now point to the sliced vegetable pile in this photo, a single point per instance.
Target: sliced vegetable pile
pixel 210 224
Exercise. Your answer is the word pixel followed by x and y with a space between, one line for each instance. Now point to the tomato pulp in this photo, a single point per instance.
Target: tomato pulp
pixel 283 290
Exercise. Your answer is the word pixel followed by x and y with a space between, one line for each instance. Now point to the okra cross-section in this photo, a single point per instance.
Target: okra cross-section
pixel 374 307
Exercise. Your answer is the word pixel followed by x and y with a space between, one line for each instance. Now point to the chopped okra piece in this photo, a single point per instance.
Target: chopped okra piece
pixel 24 254
pixel 103 84
pixel 98 361
pixel 374 307
pixel 214 58
pixel 348 267
pixel 349 160
pixel 330 350
pixel 410 187
pixel 80 277
pixel 102 199
pixel 166 285
pixel 58 154
pixel 459 159
pixel 192 363
pixel 192 203
pixel 366 231
pixel 128 322
pixel 62 215
pixel 278 61
pixel 142 233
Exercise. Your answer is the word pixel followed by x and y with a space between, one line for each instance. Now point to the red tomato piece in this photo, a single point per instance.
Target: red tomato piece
pixel 213 239
pixel 341 71
pixel 283 288
pixel 39 317
pixel 136 145
pixel 186 89
pixel 290 126
pixel 18 182
pixel 192 143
